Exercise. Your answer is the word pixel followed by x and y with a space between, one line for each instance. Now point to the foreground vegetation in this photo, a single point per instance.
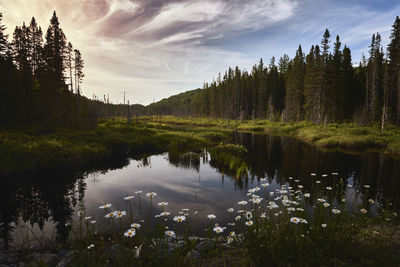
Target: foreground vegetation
pixel 288 225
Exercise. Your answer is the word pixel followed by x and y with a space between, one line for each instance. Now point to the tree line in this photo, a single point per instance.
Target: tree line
pixel 321 86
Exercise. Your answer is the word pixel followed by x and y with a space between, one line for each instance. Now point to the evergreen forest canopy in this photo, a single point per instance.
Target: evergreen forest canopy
pixel 322 87
pixel 40 80
pixel 40 84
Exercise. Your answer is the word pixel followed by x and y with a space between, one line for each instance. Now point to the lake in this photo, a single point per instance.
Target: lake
pixel 43 205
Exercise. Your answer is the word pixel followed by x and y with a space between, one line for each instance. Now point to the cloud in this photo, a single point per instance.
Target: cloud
pixel 155 48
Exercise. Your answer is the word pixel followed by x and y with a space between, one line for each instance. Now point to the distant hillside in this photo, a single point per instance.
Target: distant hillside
pixel 180 105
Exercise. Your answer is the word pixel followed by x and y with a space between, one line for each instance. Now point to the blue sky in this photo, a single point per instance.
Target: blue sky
pixel 155 48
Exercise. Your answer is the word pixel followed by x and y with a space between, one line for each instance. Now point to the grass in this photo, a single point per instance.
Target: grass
pixel 38 148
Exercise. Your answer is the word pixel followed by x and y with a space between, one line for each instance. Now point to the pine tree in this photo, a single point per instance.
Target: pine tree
pixel 69 60
pixel 78 67
pixel 3 39
pixel 393 72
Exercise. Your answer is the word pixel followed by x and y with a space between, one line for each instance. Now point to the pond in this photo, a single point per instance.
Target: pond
pixel 39 206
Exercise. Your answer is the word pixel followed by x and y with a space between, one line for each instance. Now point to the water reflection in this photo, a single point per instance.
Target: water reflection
pixel 193 181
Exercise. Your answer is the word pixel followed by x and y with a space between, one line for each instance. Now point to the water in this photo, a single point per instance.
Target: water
pixel 41 206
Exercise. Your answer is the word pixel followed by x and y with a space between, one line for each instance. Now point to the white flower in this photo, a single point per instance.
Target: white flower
pixel 135 225
pixel 165 213
pixel 170 234
pixel 300 186
pixel 243 202
pixel 343 200
pixel 335 211
pixel 138 192
pixel 105 206
pixel 87 218
pixel 326 205
pixel 349 185
pixel 249 215
pixel 318 182
pixel 323 225
pixel 249 223
pixel 324 175
pixel 109 215
pixel 371 201
pixel 263 215
pixel 90 246
pixel 151 194
pixel 257 200
pixel 238 218
pixel 163 204
pixel 313 174
pixel 119 213
pixel 263 179
pixel 230 210
pixel 265 185
pixel 321 200
pixel 93 222
pixel 179 218
pixel 80 213
pixel 128 197
pixel 363 211
pixel 328 188
pixel 294 220
pixel 130 233
pixel 307 195
pixel 218 229
pixel 366 186
pixel 231 224
pixel 297 181
pixel 334 173
pixel 211 216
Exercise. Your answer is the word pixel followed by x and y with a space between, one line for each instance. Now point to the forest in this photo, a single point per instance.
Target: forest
pixel 322 86
pixel 41 84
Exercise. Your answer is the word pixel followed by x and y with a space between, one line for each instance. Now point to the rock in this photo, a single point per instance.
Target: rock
pixel 193 254
pixel 204 245
pixel 48 258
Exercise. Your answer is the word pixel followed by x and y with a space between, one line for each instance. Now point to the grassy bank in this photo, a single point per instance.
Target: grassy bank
pixel 38 148
pixel 346 135
pixel 34 149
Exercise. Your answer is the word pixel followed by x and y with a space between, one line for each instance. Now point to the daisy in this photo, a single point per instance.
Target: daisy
pixel 90 246
pixel 163 204
pixel 323 225
pixel 105 206
pixel 179 218
pixel 321 200
pixel 371 201
pixel 230 210
pixel 366 186
pixel 135 225
pixel 265 185
pixel 243 202
pixel 294 220
pixel 326 205
pixel 93 222
pixel 328 188
pixel 130 233
pixel 249 215
pixel 307 195
pixel 170 234
pixel 238 218
pixel 138 192
pixel 119 213
pixel 109 215
pixel 335 211
pixel 128 197
pixel 249 223
pixel 363 211
pixel 165 213
pixel 211 216
pixel 218 229
pixel 151 194
pixel 87 218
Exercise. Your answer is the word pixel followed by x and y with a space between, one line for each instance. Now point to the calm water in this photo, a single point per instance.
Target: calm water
pixel 43 205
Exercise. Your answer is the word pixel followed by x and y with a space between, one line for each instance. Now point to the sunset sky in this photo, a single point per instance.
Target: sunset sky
pixel 155 48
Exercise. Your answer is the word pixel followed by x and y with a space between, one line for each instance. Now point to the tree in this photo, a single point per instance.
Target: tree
pixel 78 67
pixel 69 60
pixel 3 38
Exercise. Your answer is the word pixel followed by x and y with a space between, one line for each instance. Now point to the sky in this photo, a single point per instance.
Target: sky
pixel 152 49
